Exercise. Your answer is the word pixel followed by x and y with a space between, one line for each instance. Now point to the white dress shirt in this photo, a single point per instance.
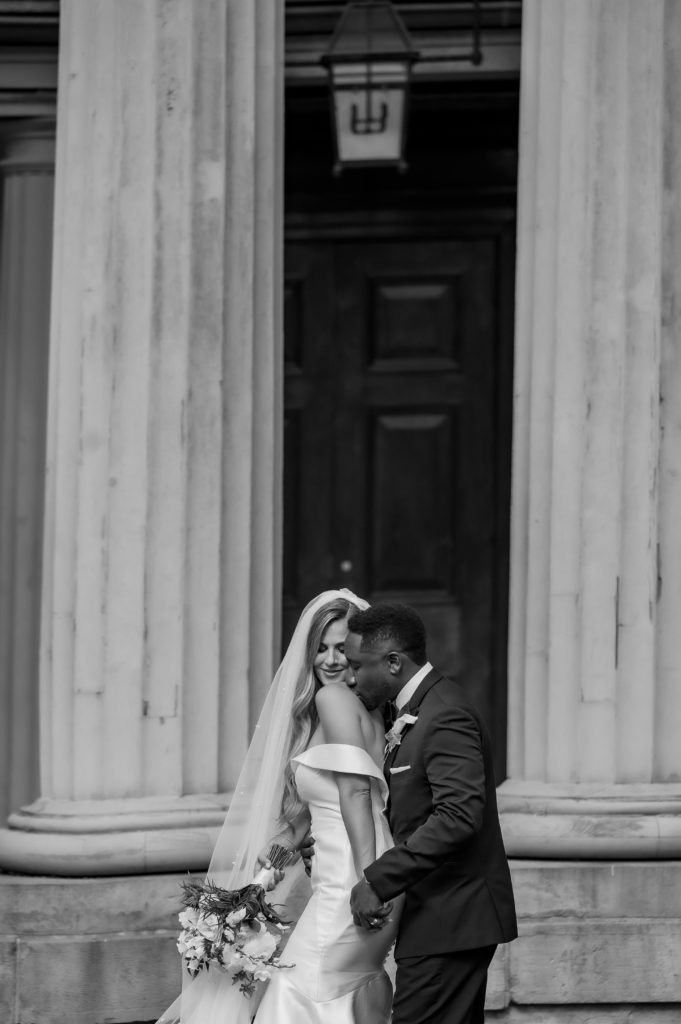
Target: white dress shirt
pixel 410 687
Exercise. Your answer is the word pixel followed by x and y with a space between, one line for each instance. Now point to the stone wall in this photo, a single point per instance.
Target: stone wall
pixel 598 943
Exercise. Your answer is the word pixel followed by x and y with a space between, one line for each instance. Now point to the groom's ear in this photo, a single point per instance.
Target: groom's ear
pixel 394 659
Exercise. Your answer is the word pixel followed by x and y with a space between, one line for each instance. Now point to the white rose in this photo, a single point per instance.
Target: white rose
pixel 230 957
pixel 189 917
pixel 235 917
pixel 208 925
pixel 234 958
pixel 260 944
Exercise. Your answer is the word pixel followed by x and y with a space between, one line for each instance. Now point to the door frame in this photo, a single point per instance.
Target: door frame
pixel 499 225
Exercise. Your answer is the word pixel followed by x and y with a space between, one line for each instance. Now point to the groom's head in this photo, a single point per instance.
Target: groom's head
pixel 385 646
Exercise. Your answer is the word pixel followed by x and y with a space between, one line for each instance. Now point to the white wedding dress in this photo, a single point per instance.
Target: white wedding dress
pixel 338 975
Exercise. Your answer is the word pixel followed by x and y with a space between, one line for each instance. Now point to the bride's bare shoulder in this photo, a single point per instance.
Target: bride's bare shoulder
pixel 339 715
pixel 337 699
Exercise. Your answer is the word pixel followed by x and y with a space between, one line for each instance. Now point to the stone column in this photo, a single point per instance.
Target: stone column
pixel 594 658
pixel 26 190
pixel 161 560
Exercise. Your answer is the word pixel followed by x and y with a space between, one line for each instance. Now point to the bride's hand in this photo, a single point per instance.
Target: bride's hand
pixel 264 863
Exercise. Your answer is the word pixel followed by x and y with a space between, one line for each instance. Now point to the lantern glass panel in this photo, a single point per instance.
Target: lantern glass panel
pixel 369 108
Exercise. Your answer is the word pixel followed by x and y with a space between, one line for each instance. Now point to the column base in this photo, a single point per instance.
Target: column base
pixel 113 837
pixel 590 821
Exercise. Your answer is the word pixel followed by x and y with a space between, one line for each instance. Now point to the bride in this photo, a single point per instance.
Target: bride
pixel 313 764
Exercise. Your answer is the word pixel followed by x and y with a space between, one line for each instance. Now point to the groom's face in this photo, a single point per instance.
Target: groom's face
pixel 372 676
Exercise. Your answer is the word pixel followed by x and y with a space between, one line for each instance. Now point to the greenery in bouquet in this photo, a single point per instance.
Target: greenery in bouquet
pixel 235 930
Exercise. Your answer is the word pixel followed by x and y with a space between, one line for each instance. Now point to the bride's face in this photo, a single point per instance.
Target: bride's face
pixel 330 663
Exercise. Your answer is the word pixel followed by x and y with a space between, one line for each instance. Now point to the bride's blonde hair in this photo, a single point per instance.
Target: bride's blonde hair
pixel 304 717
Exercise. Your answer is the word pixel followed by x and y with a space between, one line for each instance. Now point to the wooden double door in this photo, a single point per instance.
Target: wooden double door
pixel 392 462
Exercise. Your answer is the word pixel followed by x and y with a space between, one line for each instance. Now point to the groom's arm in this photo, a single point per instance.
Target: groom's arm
pixel 453 759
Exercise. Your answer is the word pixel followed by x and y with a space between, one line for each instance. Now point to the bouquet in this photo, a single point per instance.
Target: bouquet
pixel 236 931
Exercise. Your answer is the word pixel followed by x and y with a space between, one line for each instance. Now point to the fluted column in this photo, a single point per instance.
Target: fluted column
pixel 667 711
pixel 594 659
pixel 160 581
pixel 27 190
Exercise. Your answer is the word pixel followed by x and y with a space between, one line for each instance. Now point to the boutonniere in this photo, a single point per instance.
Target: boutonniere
pixel 393 737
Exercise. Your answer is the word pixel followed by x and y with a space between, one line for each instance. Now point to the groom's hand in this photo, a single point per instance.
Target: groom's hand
pixel 368 910
pixel 307 852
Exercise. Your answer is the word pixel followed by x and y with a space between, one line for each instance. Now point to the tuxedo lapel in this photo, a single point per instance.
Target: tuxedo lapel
pixel 411 708
pixel 428 683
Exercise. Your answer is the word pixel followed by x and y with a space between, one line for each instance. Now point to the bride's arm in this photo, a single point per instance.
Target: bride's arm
pixel 295 831
pixel 339 717
pixel 292 835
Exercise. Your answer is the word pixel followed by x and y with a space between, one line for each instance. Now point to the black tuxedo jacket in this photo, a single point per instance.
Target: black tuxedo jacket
pixel 449 858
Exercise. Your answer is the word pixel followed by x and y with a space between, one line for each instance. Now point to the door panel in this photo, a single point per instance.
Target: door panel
pixel 416 321
pixel 411 454
pixel 390 459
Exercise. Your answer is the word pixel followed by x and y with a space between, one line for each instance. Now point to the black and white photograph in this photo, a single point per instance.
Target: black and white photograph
pixel 340 511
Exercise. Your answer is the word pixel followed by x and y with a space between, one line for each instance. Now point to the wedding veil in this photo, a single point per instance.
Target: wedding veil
pixel 251 821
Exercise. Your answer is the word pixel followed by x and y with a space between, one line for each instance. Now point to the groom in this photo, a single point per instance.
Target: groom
pixel 448 858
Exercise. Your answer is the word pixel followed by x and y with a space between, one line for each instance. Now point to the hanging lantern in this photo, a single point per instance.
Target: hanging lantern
pixel 369 61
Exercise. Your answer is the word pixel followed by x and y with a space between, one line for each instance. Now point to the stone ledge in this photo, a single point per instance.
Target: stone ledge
pixel 591 821
pixel 107 853
pixel 131 814
pixel 113 837
pixel 597 889
pixel 550 890
pixel 33 906
pixel 618 1013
